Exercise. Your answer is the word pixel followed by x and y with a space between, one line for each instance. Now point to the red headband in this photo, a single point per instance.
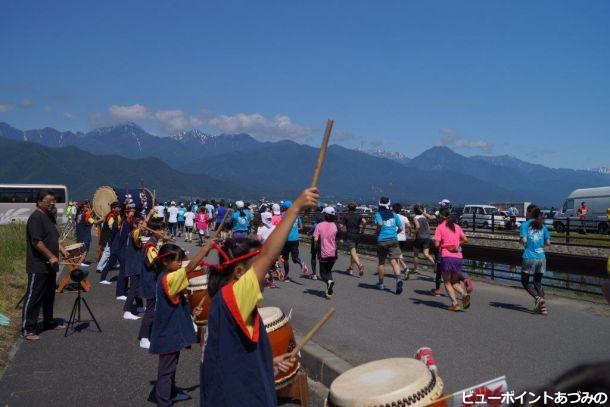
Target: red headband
pixel 228 260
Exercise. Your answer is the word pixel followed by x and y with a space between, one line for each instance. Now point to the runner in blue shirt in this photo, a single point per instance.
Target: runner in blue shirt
pixel 241 221
pixel 535 238
pixel 291 248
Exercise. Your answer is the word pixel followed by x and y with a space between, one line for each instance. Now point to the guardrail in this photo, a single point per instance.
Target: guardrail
pixel 573 232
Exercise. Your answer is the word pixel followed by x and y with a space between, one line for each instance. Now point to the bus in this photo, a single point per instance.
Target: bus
pixel 18 201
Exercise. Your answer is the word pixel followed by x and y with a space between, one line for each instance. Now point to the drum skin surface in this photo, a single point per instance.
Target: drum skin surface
pixel 102 198
pixel 281 338
pixel 196 291
pixel 394 382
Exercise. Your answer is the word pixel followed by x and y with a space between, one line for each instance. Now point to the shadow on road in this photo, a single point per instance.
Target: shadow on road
pixel 374 287
pixel 317 293
pixel 512 307
pixel 426 293
pixel 434 304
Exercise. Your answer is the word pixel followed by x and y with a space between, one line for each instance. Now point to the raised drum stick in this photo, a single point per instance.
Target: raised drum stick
pixel 322 154
pixel 155 232
pixel 153 206
pixel 312 332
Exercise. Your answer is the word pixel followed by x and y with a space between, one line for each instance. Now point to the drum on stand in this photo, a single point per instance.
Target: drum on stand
pixel 387 382
pixel 281 338
pixel 75 250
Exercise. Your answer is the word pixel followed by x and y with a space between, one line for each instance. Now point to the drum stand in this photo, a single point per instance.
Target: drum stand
pixel 75 314
pixel 72 264
pixel 297 389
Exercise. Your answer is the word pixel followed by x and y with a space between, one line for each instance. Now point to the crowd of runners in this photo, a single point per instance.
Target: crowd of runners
pixel 436 239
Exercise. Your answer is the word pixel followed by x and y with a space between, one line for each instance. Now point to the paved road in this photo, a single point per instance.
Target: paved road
pixel 89 368
pixel 497 336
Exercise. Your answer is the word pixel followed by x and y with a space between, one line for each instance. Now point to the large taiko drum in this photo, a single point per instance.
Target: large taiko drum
pixel 140 198
pixel 197 293
pixel 387 382
pixel 281 338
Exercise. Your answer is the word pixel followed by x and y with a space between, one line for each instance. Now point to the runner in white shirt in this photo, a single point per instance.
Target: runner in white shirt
pixel 189 218
pixel 172 212
pixel 402 239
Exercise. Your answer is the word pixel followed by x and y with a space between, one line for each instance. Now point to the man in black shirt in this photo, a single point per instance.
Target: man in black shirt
pixel 42 264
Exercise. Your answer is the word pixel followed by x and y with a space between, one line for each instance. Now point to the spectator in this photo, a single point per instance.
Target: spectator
pixel 41 264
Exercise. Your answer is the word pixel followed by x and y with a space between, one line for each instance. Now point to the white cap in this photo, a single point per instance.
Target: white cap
pixel 276 209
pixel 329 210
pixel 239 204
pixel 173 203
pixel 445 202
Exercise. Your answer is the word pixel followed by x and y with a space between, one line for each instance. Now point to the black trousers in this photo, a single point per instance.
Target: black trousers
pixel 291 249
pixel 165 387
pixel 535 290
pixel 147 321
pixel 133 301
pixel 314 256
pixel 40 294
pixel 122 281
pixel 326 269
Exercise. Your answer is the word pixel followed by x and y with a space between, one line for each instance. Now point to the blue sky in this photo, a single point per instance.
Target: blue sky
pixel 530 79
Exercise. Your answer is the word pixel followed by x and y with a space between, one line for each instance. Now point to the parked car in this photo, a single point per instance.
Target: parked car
pixel 482 216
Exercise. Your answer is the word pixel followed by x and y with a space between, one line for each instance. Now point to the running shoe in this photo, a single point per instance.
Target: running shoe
pixel 350 271
pixel 304 270
pixel 543 310
pixel 406 275
pixel 329 289
pixel 361 269
pixel 313 277
pixel 466 301
pixel 399 287
pixel 380 286
pixel 455 308
pixel 468 284
pixel 436 292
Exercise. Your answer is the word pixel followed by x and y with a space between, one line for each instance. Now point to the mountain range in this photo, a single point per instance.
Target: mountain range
pixel 194 163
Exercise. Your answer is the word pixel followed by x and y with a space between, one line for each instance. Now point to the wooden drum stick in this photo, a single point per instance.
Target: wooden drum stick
pixel 312 332
pixel 322 154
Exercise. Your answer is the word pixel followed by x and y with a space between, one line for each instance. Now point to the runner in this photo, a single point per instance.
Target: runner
pixel 240 220
pixel 202 222
pixel 325 236
pixel 422 242
pixel 189 222
pixel 353 225
pixel 291 248
pixel 535 238
pixel 220 214
pixel 448 238
pixel 402 239
pixel 172 219
pixel 388 223
pixel 316 218
pixel 180 217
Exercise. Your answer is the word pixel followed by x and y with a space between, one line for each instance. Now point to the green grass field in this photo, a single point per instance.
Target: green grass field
pixel 13 281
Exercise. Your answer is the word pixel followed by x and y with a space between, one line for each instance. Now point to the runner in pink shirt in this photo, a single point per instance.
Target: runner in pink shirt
pixel 326 235
pixel 202 220
pixel 448 238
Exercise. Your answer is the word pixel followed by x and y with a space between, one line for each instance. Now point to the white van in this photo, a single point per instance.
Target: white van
pixel 481 216
pixel 596 220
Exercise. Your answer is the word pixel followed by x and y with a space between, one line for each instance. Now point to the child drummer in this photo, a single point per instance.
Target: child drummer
pixel 238 367
pixel 172 328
